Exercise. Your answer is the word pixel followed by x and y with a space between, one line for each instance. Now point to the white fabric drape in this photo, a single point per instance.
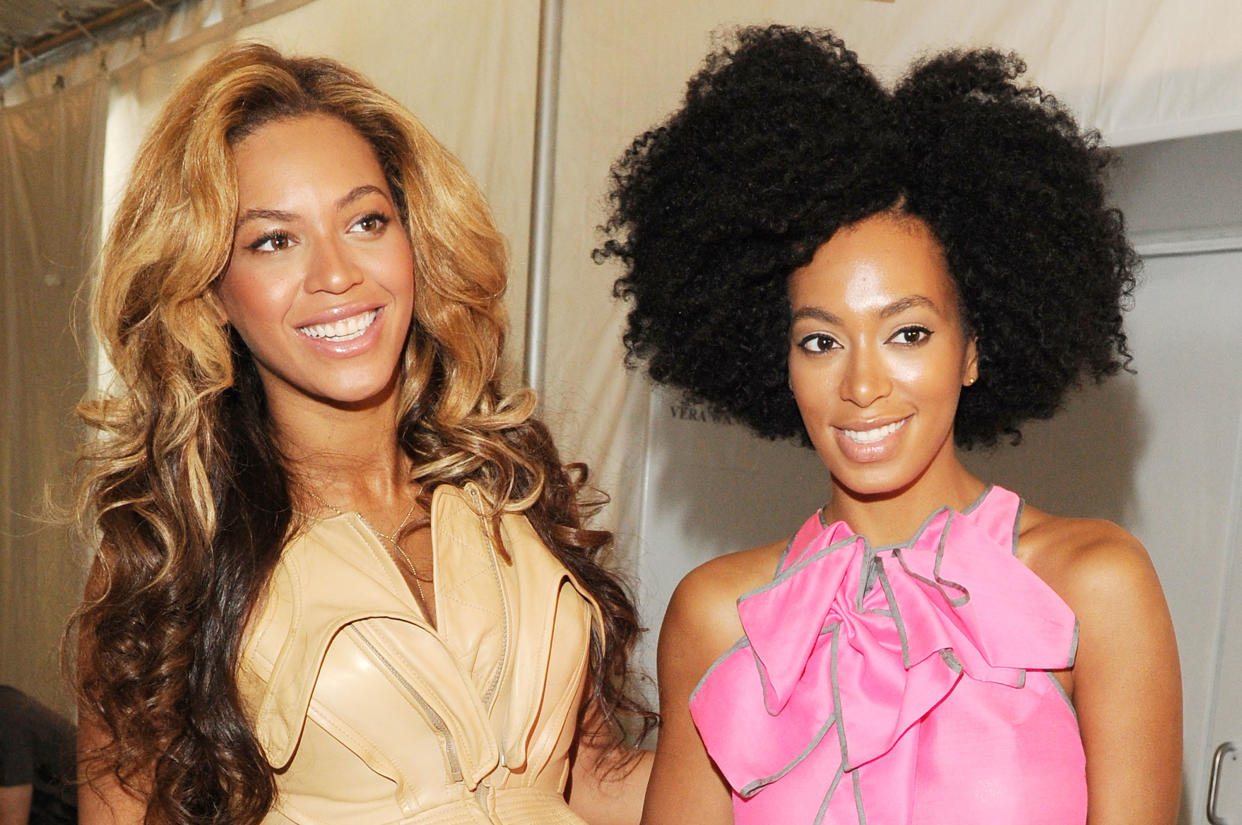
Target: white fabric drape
pixel 49 197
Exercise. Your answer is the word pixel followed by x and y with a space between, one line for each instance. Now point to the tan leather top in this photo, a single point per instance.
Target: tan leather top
pixel 373 716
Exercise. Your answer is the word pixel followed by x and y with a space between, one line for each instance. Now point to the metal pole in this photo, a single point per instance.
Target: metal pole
pixel 539 266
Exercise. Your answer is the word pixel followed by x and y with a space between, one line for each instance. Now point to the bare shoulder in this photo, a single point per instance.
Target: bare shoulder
pixel 719 583
pixel 1125 682
pixel 701 622
pixel 1089 562
pixel 700 625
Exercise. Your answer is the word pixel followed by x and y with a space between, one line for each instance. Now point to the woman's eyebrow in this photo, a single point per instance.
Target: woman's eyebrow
pixel 280 215
pixel 895 308
pixel 358 192
pixel 909 302
pixel 262 214
pixel 817 313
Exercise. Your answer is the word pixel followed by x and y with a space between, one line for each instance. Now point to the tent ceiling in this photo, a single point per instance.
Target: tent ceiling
pixel 24 22
pixel 37 27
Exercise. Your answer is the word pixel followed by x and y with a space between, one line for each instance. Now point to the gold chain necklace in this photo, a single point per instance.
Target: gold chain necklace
pixel 392 539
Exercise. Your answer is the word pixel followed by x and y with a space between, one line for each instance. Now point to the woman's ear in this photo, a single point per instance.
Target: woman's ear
pixel 970 373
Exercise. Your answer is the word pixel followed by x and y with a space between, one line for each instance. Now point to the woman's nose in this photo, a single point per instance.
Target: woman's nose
pixel 332 267
pixel 866 379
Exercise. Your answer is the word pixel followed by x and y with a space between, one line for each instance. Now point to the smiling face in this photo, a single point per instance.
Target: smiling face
pixel 878 355
pixel 320 285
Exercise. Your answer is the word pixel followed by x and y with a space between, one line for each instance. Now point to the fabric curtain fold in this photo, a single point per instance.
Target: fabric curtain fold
pixel 50 197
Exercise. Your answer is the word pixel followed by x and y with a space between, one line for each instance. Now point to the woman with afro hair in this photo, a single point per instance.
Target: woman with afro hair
pixel 890 275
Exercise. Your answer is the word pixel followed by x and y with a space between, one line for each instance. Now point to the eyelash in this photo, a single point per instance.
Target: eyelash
pixel 266 238
pixel 923 332
pixel 379 217
pixel 827 343
pixel 282 236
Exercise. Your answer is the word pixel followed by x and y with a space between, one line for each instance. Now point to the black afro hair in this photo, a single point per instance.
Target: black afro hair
pixel 784 138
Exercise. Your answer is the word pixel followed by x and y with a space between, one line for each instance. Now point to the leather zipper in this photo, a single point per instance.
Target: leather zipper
pixel 433 718
pixel 493 685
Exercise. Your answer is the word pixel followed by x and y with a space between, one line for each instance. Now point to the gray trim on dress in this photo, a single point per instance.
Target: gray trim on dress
pixel 738 645
pixel 1017 524
pixel 1056 683
pixel 938 582
pixel 832 789
pixel 858 800
pixel 785 553
pixel 1073 656
pixel 834 718
pixel 836 702
pixel 950 659
pixel 894 613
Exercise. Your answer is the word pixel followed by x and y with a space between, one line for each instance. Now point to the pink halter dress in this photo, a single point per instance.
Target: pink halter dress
pixel 896 685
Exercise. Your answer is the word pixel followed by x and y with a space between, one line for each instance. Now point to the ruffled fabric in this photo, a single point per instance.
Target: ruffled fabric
pixel 850 648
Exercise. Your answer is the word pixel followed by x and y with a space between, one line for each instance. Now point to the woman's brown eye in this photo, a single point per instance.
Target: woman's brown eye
pixel 913 335
pixel 271 242
pixel 817 342
pixel 371 223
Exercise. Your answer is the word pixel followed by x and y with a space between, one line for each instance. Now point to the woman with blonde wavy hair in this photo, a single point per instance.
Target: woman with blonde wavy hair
pixel 341 575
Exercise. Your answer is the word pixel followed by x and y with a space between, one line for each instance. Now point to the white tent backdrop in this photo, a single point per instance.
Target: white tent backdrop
pixel 51 146
pixel 1138 70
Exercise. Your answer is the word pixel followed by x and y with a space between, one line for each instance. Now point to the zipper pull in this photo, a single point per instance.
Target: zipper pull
pixel 473 492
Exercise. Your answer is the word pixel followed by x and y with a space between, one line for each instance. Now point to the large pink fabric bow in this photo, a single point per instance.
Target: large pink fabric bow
pixel 850 646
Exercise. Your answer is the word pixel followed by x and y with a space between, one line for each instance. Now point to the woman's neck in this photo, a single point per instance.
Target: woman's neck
pixel 348 458
pixel 892 518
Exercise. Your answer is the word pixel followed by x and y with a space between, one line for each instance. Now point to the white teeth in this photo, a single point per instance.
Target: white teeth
pixel 874 435
pixel 346 329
